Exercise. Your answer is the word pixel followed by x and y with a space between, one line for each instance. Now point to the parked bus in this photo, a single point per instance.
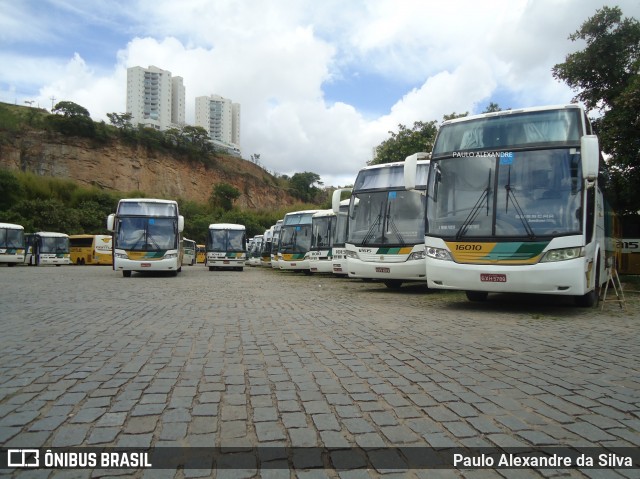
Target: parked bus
pixel 629 245
pixel 385 238
pixel 189 252
pixel 267 242
pixel 201 256
pixel 513 205
pixel 256 251
pixel 146 236
pixel 323 228
pixel 295 240
pixel 46 247
pixel 226 246
pixel 275 244
pixel 339 261
pixel 90 249
pixel 12 246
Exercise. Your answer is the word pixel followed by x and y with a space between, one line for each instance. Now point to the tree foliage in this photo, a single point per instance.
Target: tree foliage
pixel 605 75
pixel 223 195
pixel 405 142
pixel 303 186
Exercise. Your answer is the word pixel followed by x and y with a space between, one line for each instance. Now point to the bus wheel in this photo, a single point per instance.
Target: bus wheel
pixel 590 299
pixel 126 274
pixel 393 283
pixel 211 268
pixel 477 296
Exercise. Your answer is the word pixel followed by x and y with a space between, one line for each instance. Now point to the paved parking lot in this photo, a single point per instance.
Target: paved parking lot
pixel 269 358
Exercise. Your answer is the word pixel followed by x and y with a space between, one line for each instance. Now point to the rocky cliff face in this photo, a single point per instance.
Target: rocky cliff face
pixel 119 167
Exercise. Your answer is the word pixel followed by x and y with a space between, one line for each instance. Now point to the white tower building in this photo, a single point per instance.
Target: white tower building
pixel 154 98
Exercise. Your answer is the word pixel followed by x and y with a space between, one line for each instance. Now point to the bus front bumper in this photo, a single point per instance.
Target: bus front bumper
pixel 561 277
pixel 413 270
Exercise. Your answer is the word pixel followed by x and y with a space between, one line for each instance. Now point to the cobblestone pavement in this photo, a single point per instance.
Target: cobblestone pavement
pixel 263 357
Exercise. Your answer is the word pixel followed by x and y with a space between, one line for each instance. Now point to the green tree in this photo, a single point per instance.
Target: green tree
pixel 406 142
pixel 491 107
pixel 11 190
pixel 303 185
pixel 223 195
pixel 120 121
pixel 71 119
pixel 70 109
pixel 605 76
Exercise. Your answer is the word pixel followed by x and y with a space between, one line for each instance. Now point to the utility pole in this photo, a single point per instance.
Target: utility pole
pixel 52 98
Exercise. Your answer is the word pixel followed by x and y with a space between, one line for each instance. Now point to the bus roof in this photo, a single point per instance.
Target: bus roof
pixel 147 200
pixel 52 234
pixel 302 212
pixel 511 112
pixel 11 226
pixel 226 226
pixel 389 165
pixel 324 213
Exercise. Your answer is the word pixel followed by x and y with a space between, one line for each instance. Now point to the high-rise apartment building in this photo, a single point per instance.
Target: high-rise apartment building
pixel 220 117
pixel 155 98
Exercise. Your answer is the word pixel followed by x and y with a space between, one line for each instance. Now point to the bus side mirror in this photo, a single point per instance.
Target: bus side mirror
pixel 111 219
pixel 411 169
pixel 180 223
pixel 590 152
pixel 335 200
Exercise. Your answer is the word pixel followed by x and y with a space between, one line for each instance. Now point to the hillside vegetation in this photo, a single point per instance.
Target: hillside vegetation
pixel 50 203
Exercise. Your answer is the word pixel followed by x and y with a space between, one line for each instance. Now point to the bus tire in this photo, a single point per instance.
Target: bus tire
pixel 477 296
pixel 591 299
pixel 393 283
pixel 211 268
pixel 126 274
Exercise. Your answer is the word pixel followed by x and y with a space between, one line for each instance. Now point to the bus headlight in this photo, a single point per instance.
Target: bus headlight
pixel 438 253
pixel 417 255
pixel 563 254
pixel 351 254
pixel 121 255
pixel 170 255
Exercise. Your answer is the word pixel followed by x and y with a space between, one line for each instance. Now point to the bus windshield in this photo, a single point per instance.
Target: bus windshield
pixel 549 128
pixel 506 194
pixel 387 218
pixel 296 239
pixel 322 237
pixel 54 244
pixel 146 234
pixel 11 238
pixel 226 240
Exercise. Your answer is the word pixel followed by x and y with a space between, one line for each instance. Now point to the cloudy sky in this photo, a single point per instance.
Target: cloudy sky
pixel 320 83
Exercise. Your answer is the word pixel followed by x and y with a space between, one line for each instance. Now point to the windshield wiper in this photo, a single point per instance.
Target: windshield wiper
pixel 369 234
pixel 393 227
pixel 511 195
pixel 473 214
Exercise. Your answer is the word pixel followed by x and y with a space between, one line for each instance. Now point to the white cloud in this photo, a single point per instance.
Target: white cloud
pixel 274 58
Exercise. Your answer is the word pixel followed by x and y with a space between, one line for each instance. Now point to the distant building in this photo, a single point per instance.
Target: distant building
pixel 155 98
pixel 221 118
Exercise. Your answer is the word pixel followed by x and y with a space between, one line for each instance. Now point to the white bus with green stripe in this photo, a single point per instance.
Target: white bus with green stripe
pixel 295 241
pixel 12 245
pixel 514 205
pixel 146 236
pixel 385 238
pixel 226 246
pixel 323 231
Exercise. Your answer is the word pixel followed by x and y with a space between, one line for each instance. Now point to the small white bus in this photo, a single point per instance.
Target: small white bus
pixel 226 246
